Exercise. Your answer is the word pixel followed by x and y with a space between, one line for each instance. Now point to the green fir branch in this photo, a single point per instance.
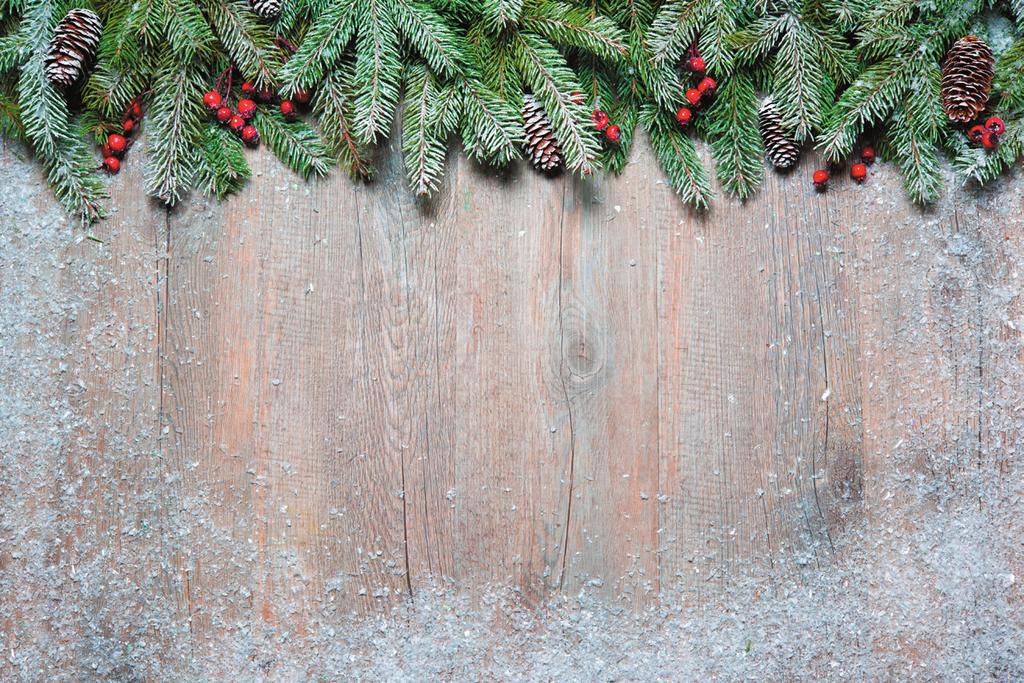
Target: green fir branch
pixel 334 107
pixel 174 129
pixel 248 41
pixel 563 24
pixel 491 129
pixel 555 86
pixel 499 14
pixel 296 144
pixel 378 70
pixel 431 35
pixel 678 157
pixel 221 166
pixel 424 135
pixel 321 48
pixel 731 125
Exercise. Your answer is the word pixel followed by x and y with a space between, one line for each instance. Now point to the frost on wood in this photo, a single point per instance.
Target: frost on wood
pixel 101 536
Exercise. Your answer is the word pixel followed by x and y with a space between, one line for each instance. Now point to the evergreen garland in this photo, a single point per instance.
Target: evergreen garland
pixel 839 72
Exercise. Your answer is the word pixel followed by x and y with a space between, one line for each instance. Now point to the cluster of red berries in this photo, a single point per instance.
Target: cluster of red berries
pixel 988 135
pixel 117 143
pixel 699 95
pixel 611 131
pixel 858 172
pixel 238 119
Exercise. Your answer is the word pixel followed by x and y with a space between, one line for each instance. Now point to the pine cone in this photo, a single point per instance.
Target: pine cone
pixel 541 145
pixel 267 9
pixel 967 79
pixel 781 150
pixel 73 45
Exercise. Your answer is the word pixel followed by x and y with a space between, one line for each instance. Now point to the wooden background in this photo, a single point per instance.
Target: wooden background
pixel 535 382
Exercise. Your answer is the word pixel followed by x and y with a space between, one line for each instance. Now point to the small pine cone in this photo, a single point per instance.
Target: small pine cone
pixel 544 151
pixel 781 150
pixel 266 9
pixel 967 79
pixel 73 45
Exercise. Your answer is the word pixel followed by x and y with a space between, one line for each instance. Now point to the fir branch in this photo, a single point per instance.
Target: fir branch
pixel 11 126
pixel 424 138
pixel 566 25
pixel 174 129
pixel 59 144
pixel 221 166
pixel 187 31
pixel 495 61
pixel 334 108
pixel 321 48
pixel 149 20
pixel 917 156
pixel 431 35
pixel 868 100
pixel 378 70
pixel 498 14
pixel 491 129
pixel 295 144
pixel 247 40
pixel 800 88
pixel 731 125
pixel 554 84
pixel 678 156
pixel 982 165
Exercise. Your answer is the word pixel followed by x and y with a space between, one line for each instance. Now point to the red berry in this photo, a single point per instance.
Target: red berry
pixel 996 125
pixel 302 96
pixel 212 100
pixel 112 165
pixel 693 96
pixel 859 172
pixel 246 108
pixel 867 155
pixel 250 136
pixel 224 114
pixel 288 108
pixel 117 143
pixel 613 133
pixel 706 85
pixel 989 140
pixel 105 150
pixel 684 116
pixel 975 133
pixel 128 125
pixel 600 119
pixel 696 64
pixel 248 89
pixel 821 178
pixel 266 95
pixel 135 109
pixel 236 123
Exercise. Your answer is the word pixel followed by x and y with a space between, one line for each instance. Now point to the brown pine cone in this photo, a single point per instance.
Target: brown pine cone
pixel 781 150
pixel 541 145
pixel 73 45
pixel 967 79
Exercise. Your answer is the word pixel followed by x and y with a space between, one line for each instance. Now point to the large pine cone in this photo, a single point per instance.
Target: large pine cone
pixel 967 79
pixel 781 150
pixel 542 147
pixel 267 9
pixel 73 45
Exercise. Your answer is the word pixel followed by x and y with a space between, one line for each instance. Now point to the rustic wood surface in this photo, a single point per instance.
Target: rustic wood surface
pixel 544 383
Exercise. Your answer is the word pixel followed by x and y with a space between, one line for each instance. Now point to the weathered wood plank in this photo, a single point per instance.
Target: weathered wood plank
pixel 743 362
pixel 513 435
pixel 607 305
pixel 94 307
